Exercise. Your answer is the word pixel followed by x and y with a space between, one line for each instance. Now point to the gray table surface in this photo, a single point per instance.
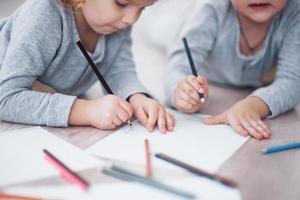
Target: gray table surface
pixel 259 176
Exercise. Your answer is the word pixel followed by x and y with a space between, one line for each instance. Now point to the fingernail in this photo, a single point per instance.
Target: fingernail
pixel 201 91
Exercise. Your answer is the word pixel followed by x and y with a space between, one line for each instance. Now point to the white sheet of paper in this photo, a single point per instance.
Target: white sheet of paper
pixel 203 146
pixel 22 157
pixel 202 188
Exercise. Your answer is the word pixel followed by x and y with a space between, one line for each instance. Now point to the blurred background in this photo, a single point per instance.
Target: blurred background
pixel 152 35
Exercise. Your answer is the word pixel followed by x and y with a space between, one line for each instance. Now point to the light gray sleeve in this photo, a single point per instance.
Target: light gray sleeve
pixel 200 29
pixel 2 22
pixel 284 93
pixel 35 38
pixel 122 76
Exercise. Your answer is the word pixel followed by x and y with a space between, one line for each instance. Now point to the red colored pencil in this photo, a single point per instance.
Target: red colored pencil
pixel 148 160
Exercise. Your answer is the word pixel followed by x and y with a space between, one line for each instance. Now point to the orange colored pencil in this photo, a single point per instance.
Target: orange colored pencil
pixel 148 160
pixel 17 197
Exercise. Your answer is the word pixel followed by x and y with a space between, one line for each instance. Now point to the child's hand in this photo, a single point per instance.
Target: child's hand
pixel 245 118
pixel 150 112
pixel 109 112
pixel 186 95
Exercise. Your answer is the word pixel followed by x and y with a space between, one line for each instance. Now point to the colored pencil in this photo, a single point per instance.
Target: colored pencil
pixel 17 197
pixel 97 72
pixel 192 65
pixel 148 158
pixel 65 171
pixel 284 147
pixel 124 174
pixel 196 170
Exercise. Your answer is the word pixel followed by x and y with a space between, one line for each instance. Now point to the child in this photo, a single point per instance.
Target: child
pixel 38 42
pixel 240 43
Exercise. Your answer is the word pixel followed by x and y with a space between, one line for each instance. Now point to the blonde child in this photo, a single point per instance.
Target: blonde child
pixel 240 43
pixel 38 43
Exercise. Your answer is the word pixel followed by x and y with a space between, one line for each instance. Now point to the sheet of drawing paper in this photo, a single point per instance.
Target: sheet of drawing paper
pixel 22 158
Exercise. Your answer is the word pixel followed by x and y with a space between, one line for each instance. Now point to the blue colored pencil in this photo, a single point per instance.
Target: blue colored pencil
pixel 123 174
pixel 285 147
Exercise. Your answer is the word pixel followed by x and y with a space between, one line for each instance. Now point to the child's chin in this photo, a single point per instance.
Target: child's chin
pixel 105 32
pixel 261 17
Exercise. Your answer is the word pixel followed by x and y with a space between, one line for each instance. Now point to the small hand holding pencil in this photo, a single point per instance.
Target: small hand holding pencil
pixel 118 111
pixel 192 91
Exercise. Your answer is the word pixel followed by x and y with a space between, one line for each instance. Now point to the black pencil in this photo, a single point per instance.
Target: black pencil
pixel 97 72
pixel 192 65
pixel 196 171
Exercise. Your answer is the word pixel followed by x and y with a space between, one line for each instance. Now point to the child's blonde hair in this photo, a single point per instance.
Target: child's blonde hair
pixel 72 3
pixel 77 3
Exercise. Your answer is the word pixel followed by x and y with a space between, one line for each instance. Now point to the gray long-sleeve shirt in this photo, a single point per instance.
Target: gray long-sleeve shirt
pixel 213 32
pixel 38 42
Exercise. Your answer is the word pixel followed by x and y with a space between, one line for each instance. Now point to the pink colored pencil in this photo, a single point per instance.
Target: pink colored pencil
pixel 65 171
pixel 148 160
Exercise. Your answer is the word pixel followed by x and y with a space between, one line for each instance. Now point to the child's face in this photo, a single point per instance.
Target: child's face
pixel 108 16
pixel 258 10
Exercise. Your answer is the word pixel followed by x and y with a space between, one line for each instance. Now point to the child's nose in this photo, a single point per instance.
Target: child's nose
pixel 130 17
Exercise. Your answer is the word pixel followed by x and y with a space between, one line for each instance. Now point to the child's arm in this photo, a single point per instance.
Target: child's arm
pixel 33 43
pixel 200 30
pixel 282 95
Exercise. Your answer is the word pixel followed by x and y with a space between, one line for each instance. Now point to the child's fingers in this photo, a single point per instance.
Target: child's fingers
pixel 194 89
pixel 191 92
pixel 265 127
pixel 123 115
pixel 219 119
pixel 192 80
pixel 117 121
pixel 200 89
pixel 152 116
pixel 259 128
pixel 237 127
pixel 183 104
pixel 170 121
pixel 161 121
pixel 202 80
pixel 184 96
pixel 108 126
pixel 127 107
pixel 251 130
pixel 204 84
pixel 141 116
